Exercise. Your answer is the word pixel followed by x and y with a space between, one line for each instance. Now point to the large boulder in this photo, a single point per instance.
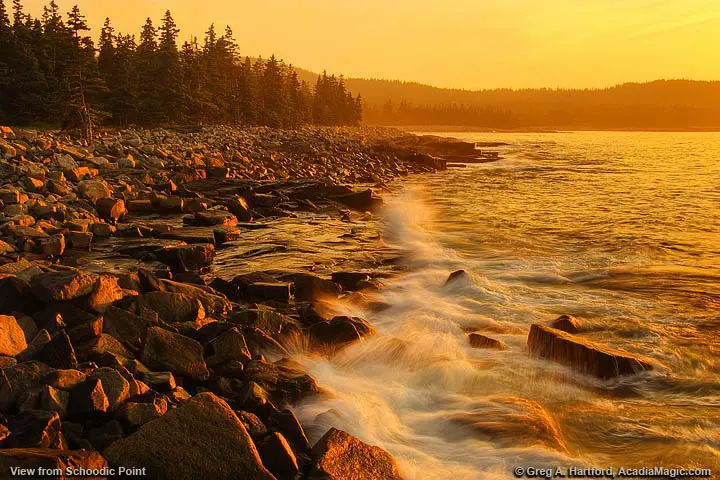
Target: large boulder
pixel 62 285
pixel 110 209
pixel 12 337
pixel 203 438
pixel 164 350
pixel 340 456
pixel 582 355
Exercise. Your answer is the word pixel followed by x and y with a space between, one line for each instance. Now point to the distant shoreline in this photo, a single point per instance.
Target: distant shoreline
pixel 460 128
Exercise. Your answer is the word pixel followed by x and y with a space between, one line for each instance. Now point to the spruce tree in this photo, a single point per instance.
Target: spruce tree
pixel 169 72
pixel 149 103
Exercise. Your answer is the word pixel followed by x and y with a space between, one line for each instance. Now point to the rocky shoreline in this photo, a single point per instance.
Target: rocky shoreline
pixel 124 351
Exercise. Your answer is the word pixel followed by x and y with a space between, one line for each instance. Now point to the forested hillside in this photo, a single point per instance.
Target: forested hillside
pixel 52 72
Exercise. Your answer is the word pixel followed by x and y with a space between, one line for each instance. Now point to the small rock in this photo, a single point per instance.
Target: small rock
pixel 110 209
pixel 58 353
pixel 12 337
pixel 88 399
pixel 566 323
pixel 137 414
pixel 278 456
pixel 54 246
pixel 81 240
pixel 481 341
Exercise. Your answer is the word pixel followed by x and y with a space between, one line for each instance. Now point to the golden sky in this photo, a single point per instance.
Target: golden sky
pixel 468 44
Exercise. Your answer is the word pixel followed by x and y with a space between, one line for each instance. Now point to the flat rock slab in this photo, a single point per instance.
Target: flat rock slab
pixel 583 355
pixel 203 438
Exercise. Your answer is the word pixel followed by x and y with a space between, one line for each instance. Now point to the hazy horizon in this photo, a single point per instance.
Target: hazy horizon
pixel 461 44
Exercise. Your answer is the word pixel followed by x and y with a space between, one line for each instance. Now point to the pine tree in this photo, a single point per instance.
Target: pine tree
pixel 169 72
pixel 123 97
pixel 149 103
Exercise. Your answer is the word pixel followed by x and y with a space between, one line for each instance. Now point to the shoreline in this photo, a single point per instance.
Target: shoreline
pixel 121 334
pixel 555 129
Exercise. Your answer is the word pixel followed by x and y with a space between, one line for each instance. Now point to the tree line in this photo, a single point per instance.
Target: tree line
pixel 660 104
pixel 52 72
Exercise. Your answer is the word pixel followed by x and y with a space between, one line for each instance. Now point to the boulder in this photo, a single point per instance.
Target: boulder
pixel 62 285
pixel 209 218
pixel 164 350
pixel 58 353
pixel 339 331
pixel 33 429
pixel 54 245
pixel 340 456
pixel 125 326
pixel 276 292
pixel 228 346
pixel 94 190
pixel 136 414
pixel 481 341
pixel 51 459
pixel 309 288
pixel 566 323
pixel 80 239
pixel 214 304
pixel 115 386
pixel 6 248
pixel 65 379
pixel 105 292
pixel 173 307
pixel 12 337
pixel 349 280
pixel 582 355
pixel 457 276
pixel 110 209
pixel 180 445
pixel 276 453
pixel 52 399
pixel 362 200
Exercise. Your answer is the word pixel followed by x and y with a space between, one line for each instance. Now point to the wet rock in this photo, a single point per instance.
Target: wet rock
pixel 310 288
pixel 165 350
pixel 62 285
pixel 33 429
pixel 582 355
pixel 53 246
pixel 277 325
pixel 481 341
pixel 188 258
pixel 110 209
pixel 12 337
pixel 285 381
pixel 339 455
pixel 339 331
pixel 349 280
pixel 179 445
pixel 276 292
pixel 566 323
pixel 276 453
pixel 58 353
pixel 209 218
pixel 457 276
pixel 362 200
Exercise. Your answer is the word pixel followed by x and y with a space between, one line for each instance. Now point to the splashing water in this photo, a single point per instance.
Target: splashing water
pixel 583 224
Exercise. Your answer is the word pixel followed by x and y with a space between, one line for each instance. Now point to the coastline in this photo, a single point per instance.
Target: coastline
pixel 123 328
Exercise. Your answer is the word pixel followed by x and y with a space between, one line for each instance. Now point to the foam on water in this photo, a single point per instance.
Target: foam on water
pixel 537 242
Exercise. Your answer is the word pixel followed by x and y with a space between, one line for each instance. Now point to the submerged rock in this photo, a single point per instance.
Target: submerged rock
pixel 583 355
pixel 340 331
pixel 481 341
pixel 566 323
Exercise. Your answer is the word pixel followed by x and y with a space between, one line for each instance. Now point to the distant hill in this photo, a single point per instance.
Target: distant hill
pixel 660 104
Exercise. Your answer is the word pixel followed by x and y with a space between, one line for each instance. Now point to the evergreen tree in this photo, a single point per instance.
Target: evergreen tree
pixel 169 72
pixel 149 102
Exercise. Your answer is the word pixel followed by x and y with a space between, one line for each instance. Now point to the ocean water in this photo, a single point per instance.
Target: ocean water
pixel 621 230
